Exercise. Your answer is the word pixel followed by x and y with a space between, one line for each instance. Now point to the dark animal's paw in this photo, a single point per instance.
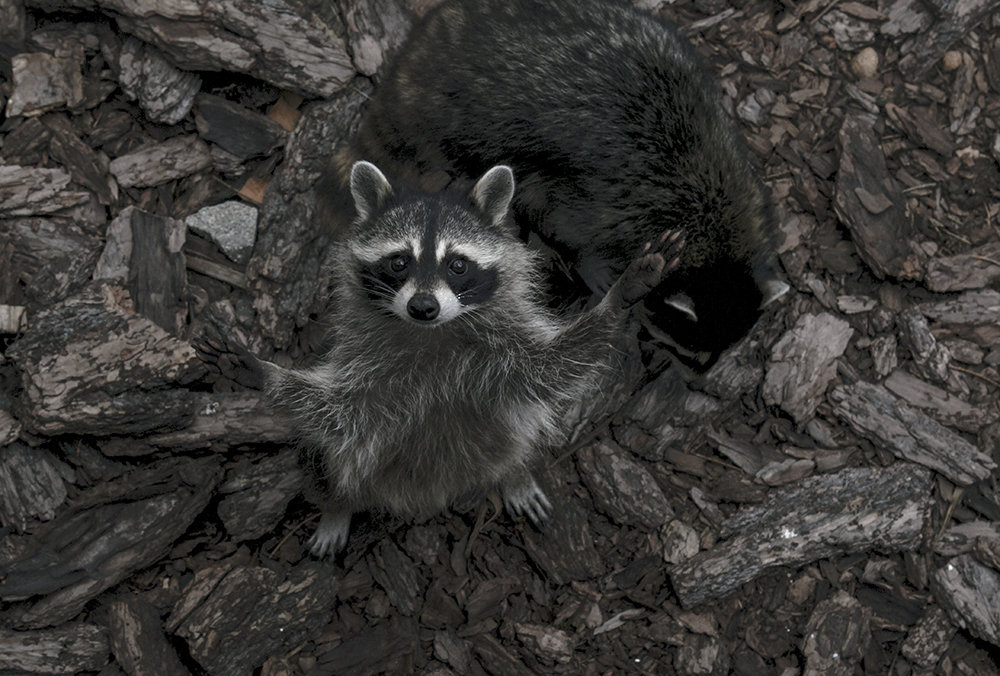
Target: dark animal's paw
pixel 656 260
pixel 229 359
pixel 528 500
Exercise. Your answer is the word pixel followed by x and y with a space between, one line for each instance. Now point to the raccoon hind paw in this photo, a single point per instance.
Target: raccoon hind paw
pixel 330 536
pixel 528 500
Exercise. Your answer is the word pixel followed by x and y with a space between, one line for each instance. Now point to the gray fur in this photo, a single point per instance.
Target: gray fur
pixel 407 417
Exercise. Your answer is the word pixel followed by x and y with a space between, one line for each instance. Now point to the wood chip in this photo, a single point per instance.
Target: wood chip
pixel 622 488
pixel 968 590
pixel 70 649
pixel 164 92
pixel 877 414
pixel 851 511
pixel 973 269
pixel 174 158
pixel 836 636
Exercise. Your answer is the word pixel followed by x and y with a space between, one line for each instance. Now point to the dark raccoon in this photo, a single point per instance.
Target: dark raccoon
pixel 447 373
pixel 615 130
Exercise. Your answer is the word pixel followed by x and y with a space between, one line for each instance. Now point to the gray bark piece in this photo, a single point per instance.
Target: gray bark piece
pixel 375 29
pixel 930 357
pixel 10 428
pixel 955 19
pixel 287 272
pixel 968 590
pixel 231 225
pixel 29 191
pixel 70 649
pixel 52 258
pixel 116 529
pixel 973 269
pixel 241 132
pixel 972 308
pixel 943 406
pixel 105 376
pixel 869 202
pixel 174 158
pixel 293 44
pixel 233 617
pixel 928 639
pixel 877 414
pixel 622 488
pixel 836 636
pixel 803 363
pixel 138 641
pixel 44 82
pixel 828 515
pixel 165 93
pixel 31 485
pixel 13 23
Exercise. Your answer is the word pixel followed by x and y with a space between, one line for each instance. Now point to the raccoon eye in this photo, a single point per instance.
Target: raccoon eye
pixel 398 263
pixel 458 266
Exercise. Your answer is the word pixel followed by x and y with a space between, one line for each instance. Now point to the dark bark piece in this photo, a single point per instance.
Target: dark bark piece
pixel 962 538
pixel 836 636
pixel 44 82
pixel 882 233
pixel 129 361
pixel 954 21
pixel 398 576
pixel 165 93
pixel 86 167
pixel 293 44
pixel 375 29
pixel 157 279
pixel 547 643
pixel 928 640
pixel 237 130
pixel 968 590
pixel 622 488
pixel 25 144
pixel 565 550
pixel 751 458
pixel 174 158
pixel 367 651
pixel 13 25
pixel 70 649
pixel 292 239
pixel 115 529
pixel 917 124
pixel 32 485
pixel 27 191
pixel 50 258
pixel 234 617
pixel 496 659
pixel 138 642
pixel 930 357
pixel 257 495
pixel 973 269
pixel 10 428
pixel 830 515
pixel 803 363
pixel 877 414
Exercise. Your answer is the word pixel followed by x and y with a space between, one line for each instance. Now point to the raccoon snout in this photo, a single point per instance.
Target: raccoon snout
pixel 423 307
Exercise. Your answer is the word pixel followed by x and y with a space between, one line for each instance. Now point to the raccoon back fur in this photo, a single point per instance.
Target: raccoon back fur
pixel 447 372
pixel 615 130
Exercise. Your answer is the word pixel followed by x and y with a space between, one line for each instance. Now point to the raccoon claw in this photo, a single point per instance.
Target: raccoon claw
pixel 528 500
pixel 330 536
pixel 646 271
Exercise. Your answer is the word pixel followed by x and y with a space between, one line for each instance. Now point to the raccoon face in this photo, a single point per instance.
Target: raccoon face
pixel 429 259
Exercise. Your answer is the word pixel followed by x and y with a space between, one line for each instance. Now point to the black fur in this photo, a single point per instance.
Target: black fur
pixel 614 129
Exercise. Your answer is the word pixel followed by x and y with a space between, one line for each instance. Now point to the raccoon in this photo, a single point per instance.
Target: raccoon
pixel 447 372
pixel 616 131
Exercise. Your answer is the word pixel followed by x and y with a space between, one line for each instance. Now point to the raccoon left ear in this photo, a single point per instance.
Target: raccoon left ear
pixel 369 187
pixel 493 193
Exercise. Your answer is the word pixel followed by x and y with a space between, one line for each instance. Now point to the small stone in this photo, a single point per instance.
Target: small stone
pixel 865 63
pixel 952 60
pixel 231 225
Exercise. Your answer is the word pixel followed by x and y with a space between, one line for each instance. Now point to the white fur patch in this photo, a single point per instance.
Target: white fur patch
pixel 450 306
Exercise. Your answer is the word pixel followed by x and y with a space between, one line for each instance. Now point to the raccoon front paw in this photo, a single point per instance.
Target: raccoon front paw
pixel 330 536
pixel 230 358
pixel 526 499
pixel 646 271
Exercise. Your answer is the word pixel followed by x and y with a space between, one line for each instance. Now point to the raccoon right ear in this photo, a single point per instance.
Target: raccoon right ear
pixel 493 193
pixel 369 187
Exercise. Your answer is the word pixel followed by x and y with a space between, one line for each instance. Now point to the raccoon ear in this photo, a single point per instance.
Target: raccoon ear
pixel 369 187
pixel 493 193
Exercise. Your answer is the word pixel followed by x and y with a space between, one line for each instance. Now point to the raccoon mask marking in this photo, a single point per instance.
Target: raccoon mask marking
pixel 428 273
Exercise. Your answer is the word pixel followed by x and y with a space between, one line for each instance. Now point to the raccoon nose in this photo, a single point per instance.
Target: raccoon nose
pixel 423 307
